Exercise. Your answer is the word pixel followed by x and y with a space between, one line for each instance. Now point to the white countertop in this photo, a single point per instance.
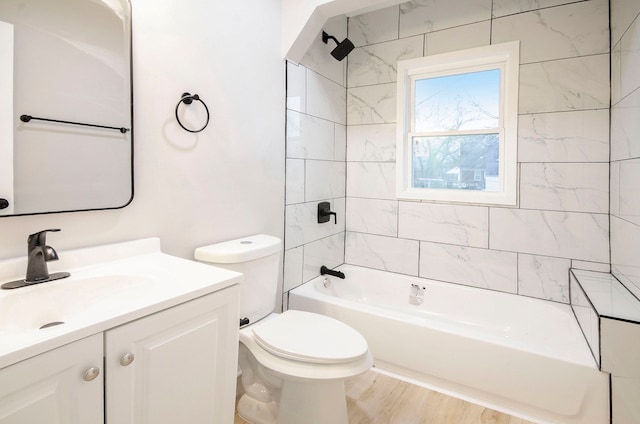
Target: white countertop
pixel 109 286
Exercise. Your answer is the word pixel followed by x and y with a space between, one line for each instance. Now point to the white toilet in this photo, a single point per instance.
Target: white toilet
pixel 293 364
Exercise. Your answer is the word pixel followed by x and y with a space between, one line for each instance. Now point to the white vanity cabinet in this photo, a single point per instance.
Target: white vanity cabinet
pixel 139 337
pixel 62 386
pixel 176 366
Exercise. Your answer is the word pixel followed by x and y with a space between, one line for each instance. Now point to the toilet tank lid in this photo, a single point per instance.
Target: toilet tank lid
pixel 239 250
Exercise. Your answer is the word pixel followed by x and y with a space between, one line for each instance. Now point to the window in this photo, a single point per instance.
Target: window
pixel 457 126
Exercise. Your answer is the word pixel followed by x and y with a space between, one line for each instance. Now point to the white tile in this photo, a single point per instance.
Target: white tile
pixel 544 277
pixel 372 216
pixel 309 137
pixel 620 347
pixel 616 74
pixel 630 59
pixel 625 255
pixel 374 27
pixel 461 225
pixel 324 180
pixel 510 7
pixel 384 253
pixel 301 223
pixel 374 104
pixel 623 12
pixel 377 63
pixel 591 266
pixel 628 195
pixel 293 268
pixel 567 84
pixel 340 143
pixel 294 186
pixel 296 87
pixel 371 143
pixel 625 393
pixel 328 251
pixel 577 29
pixel 422 16
pixel 586 317
pixel 458 38
pixel 325 98
pixel 608 296
pixel 625 128
pixel 484 268
pixel 614 187
pixel 575 187
pixel 575 136
pixel 372 180
pixel 318 56
pixel 580 236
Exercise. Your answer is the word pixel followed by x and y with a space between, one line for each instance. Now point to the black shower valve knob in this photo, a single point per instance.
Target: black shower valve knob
pixel 325 212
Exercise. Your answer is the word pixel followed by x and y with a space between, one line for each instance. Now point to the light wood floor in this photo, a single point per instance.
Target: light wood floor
pixel 375 398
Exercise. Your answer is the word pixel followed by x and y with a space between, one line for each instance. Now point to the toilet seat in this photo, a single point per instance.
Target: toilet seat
pixel 310 338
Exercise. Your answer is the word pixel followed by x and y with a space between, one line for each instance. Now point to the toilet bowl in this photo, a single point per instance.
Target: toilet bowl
pixel 293 365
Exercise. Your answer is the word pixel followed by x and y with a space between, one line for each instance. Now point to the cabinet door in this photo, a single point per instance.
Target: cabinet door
pixel 178 366
pixel 51 388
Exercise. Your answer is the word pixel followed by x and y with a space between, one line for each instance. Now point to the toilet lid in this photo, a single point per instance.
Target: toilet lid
pixel 309 337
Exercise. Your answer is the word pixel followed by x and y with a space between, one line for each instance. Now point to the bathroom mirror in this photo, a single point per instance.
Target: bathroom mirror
pixel 69 61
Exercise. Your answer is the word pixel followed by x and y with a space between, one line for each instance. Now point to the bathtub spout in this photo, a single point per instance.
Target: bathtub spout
pixel 324 270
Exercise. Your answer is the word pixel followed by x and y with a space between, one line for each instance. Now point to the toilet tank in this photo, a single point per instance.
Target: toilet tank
pixel 257 257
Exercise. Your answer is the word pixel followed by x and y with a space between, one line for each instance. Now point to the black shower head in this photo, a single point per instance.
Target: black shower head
pixel 342 49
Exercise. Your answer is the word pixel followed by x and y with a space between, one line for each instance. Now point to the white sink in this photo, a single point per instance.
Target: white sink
pixel 70 301
pixel 109 286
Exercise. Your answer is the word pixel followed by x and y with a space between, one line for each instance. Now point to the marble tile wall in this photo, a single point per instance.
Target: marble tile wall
pixel 315 161
pixel 625 142
pixel 562 217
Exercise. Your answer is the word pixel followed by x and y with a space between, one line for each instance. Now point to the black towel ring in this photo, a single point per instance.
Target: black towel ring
pixel 188 98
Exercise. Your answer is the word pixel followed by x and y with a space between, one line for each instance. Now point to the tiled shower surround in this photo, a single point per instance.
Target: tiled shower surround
pixel 341 147
pixel 625 142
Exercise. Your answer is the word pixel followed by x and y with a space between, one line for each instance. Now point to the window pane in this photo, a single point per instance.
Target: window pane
pixel 463 162
pixel 467 101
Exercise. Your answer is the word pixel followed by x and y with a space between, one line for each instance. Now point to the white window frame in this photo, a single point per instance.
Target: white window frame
pixel 504 56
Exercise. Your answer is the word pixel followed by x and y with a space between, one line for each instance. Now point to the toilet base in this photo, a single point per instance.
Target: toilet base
pixel 317 402
pixel 255 412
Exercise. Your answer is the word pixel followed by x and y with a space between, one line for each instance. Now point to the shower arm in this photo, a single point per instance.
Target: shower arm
pixel 326 37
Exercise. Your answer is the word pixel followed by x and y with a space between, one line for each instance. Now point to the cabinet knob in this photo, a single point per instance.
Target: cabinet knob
pixel 91 373
pixel 127 359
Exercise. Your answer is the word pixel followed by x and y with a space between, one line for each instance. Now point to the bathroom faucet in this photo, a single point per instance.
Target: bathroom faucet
pixel 38 254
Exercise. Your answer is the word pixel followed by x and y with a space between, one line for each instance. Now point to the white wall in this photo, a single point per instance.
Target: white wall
pixel 191 190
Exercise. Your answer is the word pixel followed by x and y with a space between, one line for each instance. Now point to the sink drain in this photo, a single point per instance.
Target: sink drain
pixel 52 324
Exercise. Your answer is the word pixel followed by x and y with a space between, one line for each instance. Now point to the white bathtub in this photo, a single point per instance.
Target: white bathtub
pixel 524 356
